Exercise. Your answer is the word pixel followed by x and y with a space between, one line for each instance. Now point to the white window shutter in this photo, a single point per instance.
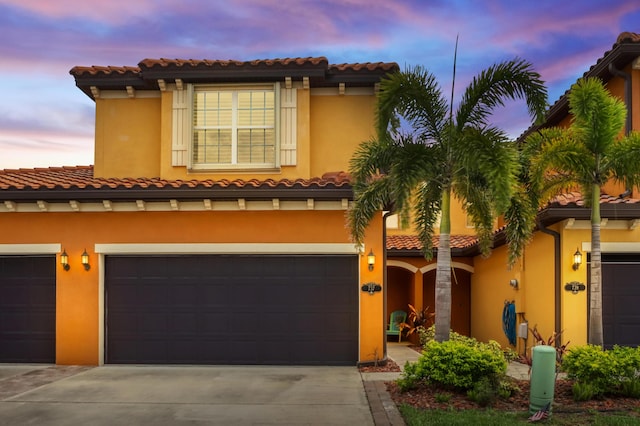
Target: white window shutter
pixel 181 126
pixel 288 126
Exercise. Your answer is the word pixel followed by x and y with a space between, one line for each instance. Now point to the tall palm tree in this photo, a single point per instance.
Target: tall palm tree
pixel 586 155
pixel 425 154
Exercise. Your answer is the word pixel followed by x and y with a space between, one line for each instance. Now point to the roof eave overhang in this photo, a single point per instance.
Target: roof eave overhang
pixel 620 56
pixel 470 251
pixel 159 194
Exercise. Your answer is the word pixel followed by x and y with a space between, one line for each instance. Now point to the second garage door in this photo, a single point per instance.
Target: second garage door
pixel 620 296
pixel 232 309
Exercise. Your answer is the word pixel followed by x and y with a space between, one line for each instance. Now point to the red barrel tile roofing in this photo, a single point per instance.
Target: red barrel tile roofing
pixel 412 242
pixel 80 177
pixel 230 63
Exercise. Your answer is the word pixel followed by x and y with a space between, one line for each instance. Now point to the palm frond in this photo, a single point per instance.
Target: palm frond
pixel 415 97
pixel 369 200
pixel 597 116
pixel 520 223
pixel 624 160
pixel 513 79
pixel 428 198
pixel 488 161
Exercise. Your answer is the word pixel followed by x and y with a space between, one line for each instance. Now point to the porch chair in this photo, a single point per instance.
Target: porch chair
pixel 397 318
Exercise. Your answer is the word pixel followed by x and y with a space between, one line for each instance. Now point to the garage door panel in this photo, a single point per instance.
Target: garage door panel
pixel 235 309
pixel 620 295
pixel 27 308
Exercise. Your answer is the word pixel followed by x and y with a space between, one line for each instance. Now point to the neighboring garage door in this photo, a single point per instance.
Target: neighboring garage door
pixel 28 309
pixel 620 299
pixel 232 309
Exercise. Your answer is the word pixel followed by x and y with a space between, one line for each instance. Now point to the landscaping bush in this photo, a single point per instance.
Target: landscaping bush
pixel 455 364
pixel 601 372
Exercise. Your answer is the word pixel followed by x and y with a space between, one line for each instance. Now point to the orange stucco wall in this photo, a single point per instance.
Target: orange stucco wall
pixel 77 318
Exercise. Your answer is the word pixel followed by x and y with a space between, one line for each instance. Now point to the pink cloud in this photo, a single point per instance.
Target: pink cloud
pixel 111 11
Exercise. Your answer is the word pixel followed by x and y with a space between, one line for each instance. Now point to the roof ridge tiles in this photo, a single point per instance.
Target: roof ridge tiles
pixel 166 62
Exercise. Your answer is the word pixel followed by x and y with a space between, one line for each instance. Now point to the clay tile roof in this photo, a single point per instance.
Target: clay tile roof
pixel 412 242
pixel 108 70
pixel 369 66
pixel 575 199
pixel 81 177
pixel 164 62
pixel 628 36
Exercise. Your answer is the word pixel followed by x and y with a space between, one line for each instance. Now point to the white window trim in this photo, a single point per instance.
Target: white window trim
pixel 191 165
pixel 23 249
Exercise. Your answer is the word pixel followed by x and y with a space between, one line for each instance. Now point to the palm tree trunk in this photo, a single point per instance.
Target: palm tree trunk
pixel 595 287
pixel 443 272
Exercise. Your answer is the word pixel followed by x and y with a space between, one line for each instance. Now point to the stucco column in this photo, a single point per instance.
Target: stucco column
pixel 418 290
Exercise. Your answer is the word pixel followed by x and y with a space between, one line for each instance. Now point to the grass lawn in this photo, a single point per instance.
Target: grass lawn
pixel 415 417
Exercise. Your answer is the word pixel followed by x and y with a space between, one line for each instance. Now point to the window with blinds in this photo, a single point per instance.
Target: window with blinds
pixel 234 127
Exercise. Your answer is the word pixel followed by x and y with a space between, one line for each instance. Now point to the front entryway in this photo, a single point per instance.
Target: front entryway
pixel 232 309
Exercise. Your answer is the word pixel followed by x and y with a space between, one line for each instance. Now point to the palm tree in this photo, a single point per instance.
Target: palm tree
pixel 441 155
pixel 586 155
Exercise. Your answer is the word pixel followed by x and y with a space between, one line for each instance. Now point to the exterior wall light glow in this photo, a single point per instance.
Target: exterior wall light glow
pixel 371 259
pixel 577 260
pixel 64 260
pixel 85 260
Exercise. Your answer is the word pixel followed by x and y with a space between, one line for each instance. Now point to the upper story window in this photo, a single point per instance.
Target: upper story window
pixel 234 127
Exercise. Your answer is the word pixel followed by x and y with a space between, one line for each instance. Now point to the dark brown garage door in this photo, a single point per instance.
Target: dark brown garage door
pixel 28 309
pixel 621 299
pixel 232 309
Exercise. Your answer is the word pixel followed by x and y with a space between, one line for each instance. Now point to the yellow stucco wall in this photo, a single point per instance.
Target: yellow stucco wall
pixel 534 296
pixel 134 137
pixel 77 290
pixel 127 137
pixel 338 125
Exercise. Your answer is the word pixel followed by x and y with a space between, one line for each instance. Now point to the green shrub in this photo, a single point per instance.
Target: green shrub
pixel 615 371
pixel 630 388
pixel 590 364
pixel 483 392
pixel 455 364
pixel 442 397
pixel 583 391
pixel 427 335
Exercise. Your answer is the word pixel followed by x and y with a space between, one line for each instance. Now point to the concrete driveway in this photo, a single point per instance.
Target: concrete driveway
pixel 176 395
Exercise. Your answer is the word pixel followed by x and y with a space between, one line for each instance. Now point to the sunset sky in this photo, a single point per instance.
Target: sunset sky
pixel 46 121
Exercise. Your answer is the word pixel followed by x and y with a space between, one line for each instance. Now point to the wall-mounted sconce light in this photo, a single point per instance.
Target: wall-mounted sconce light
pixel 577 260
pixel 64 260
pixel 371 259
pixel 513 283
pixel 85 260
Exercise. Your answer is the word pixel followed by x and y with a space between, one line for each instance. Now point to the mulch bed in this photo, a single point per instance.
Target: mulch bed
pixel 389 367
pixel 430 397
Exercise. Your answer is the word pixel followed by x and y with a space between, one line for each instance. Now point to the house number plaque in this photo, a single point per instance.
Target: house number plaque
pixel 371 287
pixel 575 287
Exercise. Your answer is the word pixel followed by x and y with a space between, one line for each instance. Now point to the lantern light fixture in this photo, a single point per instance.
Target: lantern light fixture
pixel 577 260
pixel 64 260
pixel 85 260
pixel 371 259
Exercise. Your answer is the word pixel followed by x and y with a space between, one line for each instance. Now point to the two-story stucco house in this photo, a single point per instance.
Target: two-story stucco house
pixel 211 228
